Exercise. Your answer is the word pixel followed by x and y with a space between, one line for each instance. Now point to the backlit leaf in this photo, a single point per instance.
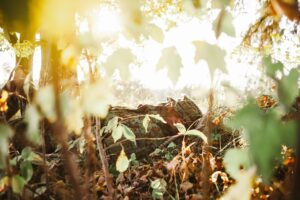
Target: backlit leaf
pixel 171 60
pixel 212 54
pixel 18 184
pixel 122 163
pixel 272 67
pixel 223 23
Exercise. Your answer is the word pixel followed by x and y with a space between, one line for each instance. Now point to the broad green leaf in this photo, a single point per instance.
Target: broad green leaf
pixel 120 59
pixel 223 23
pixel 117 133
pixel 26 170
pixel 18 184
pixel 237 161
pixel 112 124
pixel 128 134
pixel 197 133
pixel 122 163
pixel 5 134
pixel 272 67
pixel 212 54
pixel 242 189
pixel 171 60
pixel 32 118
pixel 181 128
pixel 146 121
pixel 158 117
pixel 288 88
pixel 266 133
pixel 45 99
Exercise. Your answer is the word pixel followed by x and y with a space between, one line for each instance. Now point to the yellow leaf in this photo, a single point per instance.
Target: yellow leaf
pixel 122 163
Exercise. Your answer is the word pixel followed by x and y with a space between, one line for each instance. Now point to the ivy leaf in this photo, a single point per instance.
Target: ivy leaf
pixel 197 133
pixel 158 117
pixel 18 184
pixel 235 160
pixel 272 67
pixel 112 124
pixel 212 54
pixel 146 121
pixel 117 133
pixel 171 60
pixel 120 59
pixel 181 128
pixel 128 134
pixel 122 163
pixel 288 88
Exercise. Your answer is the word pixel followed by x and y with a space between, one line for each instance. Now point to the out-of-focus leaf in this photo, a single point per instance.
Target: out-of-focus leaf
pixel 242 190
pixel 117 133
pixel 158 117
pixel 128 134
pixel 146 121
pixel 171 60
pixel 72 113
pixel 181 128
pixel 154 32
pixel 45 99
pixel 94 100
pixel 197 133
pixel 120 59
pixel 272 67
pixel 237 161
pixel 223 23
pixel 32 118
pixel 5 134
pixel 265 132
pixel 212 54
pixel 18 184
pixel 220 3
pixel 122 163
pixel 112 124
pixel 288 88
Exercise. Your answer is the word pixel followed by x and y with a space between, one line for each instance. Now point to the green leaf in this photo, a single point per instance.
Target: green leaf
pixel 265 133
pixel 288 88
pixel 159 187
pixel 26 170
pixel 5 134
pixel 117 133
pixel 122 163
pixel 171 60
pixel 272 67
pixel 181 128
pixel 236 161
pixel 197 133
pixel 158 117
pixel 112 124
pixel 18 184
pixel 128 134
pixel 146 121
pixel 32 118
pixel 212 54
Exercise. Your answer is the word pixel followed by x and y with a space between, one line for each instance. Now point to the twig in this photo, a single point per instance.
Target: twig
pixel 104 161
